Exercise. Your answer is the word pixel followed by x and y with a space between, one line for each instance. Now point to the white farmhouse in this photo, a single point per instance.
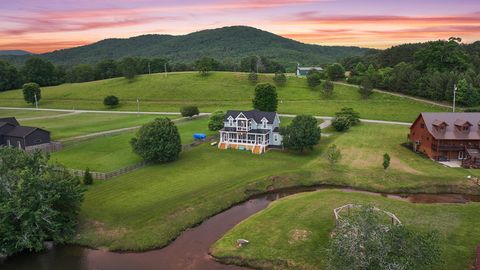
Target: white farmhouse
pixel 253 130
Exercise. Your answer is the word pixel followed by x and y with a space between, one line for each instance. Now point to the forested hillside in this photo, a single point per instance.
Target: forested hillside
pixel 431 70
pixel 228 44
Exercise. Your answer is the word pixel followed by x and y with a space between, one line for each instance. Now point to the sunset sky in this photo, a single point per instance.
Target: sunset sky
pixel 46 25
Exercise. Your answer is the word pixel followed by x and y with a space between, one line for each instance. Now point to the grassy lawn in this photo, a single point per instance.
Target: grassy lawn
pixel 85 123
pixel 105 154
pixel 274 246
pixel 220 90
pixel 19 114
pixel 149 207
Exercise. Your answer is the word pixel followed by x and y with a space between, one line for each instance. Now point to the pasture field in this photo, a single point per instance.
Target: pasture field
pixel 112 152
pixel 293 233
pixel 149 207
pixel 219 90
pixel 22 114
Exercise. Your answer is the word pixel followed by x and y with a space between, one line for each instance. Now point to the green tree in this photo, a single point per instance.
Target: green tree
pixel 31 92
pixel 38 202
pixel 327 89
pixel 266 98
pixel 386 161
pixel 359 69
pixel 205 65
pixel 302 133
pixel 87 177
pixel 280 79
pixel 442 55
pixel 40 71
pixel 158 141
pixel 314 79
pixel 215 122
pixel 10 77
pixel 106 69
pixel 333 155
pixel 352 115
pixel 341 123
pixel 129 68
pixel 189 111
pixel 81 73
pixel 364 240
pixel 111 101
pixel 366 88
pixel 335 72
pixel 253 77
pixel 466 94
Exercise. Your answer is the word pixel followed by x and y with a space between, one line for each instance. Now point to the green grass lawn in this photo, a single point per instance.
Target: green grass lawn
pixel 219 90
pixel 85 123
pixel 109 153
pixel 149 207
pixel 273 244
pixel 19 114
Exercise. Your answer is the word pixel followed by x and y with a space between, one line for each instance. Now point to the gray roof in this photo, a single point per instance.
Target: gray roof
pixel 11 120
pixel 310 68
pixel 256 115
pixel 454 122
pixel 22 131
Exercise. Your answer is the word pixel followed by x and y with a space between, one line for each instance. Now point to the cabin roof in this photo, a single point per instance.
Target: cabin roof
pixel 452 122
pixel 10 120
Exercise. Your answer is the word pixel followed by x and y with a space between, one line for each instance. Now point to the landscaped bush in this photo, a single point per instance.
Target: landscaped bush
pixel 314 79
pixel 341 123
pixel 215 122
pixel 158 141
pixel 280 79
pixel 189 111
pixel 327 89
pixel 111 101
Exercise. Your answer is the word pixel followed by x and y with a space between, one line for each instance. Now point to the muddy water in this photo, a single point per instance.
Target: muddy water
pixel 189 251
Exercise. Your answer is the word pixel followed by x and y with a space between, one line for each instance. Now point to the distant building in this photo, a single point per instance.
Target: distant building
pixel 253 130
pixel 303 71
pixel 447 136
pixel 15 135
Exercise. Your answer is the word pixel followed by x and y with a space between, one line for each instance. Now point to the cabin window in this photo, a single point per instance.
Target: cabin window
pixel 275 137
pixel 465 128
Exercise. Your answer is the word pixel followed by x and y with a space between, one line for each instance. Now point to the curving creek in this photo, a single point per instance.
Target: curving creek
pixel 190 249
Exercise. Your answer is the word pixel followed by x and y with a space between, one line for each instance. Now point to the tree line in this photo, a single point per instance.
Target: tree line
pixel 45 73
pixel 430 70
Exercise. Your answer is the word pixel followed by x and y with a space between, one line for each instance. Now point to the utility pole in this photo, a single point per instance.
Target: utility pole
pixel 166 69
pixel 454 95
pixel 36 101
pixel 138 107
pixel 149 67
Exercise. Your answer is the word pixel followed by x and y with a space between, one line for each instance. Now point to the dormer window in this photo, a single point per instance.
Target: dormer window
pixel 230 121
pixel 264 123
pixel 439 125
pixel 462 125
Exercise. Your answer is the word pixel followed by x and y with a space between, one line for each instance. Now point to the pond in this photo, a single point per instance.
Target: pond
pixel 190 249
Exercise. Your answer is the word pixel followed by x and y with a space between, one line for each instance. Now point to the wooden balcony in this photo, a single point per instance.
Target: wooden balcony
pixel 442 148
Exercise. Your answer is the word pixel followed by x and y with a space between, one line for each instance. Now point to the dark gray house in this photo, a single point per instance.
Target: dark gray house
pixel 13 134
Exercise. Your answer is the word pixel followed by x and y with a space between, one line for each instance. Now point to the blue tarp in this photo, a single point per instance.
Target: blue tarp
pixel 199 136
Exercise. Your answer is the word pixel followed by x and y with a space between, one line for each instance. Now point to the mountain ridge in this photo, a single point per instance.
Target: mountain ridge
pixel 226 44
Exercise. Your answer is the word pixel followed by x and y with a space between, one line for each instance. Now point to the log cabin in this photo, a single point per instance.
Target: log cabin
pixel 447 136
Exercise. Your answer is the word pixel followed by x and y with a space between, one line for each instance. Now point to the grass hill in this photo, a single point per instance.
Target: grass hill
pixel 219 90
pixel 228 43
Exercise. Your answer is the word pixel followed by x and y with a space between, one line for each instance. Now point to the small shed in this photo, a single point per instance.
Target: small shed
pixel 22 136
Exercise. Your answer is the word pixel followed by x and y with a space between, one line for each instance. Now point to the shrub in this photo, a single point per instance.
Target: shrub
pixel 158 141
pixel 386 161
pixel 215 122
pixel 280 79
pixel 333 155
pixel 335 72
pixel 341 123
pixel 111 101
pixel 189 111
pixel 265 98
pixel 30 92
pixel 314 79
pixel 327 89
pixel 366 88
pixel 303 133
pixel 352 115
pixel 87 177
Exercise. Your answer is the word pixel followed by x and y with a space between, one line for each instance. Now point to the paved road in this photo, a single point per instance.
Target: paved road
pixel 201 114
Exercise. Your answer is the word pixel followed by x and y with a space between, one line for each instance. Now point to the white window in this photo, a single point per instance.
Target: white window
pixel 275 137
